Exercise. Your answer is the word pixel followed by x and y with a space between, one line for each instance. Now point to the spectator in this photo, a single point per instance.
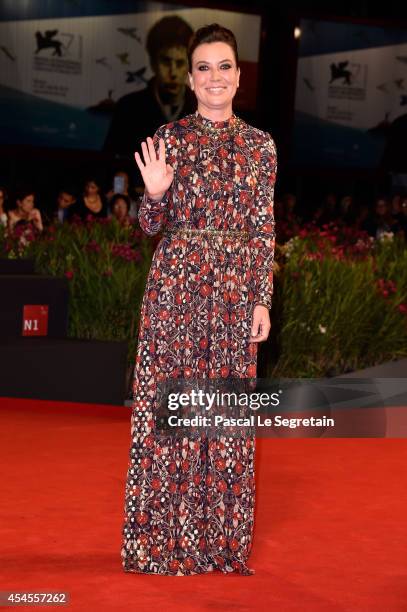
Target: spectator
pixel 288 220
pixel 326 212
pixel 3 200
pixel 381 220
pixel 25 212
pixel 395 204
pixel 65 200
pixel 92 203
pixel 403 216
pixel 120 206
pixel 361 216
pixel 121 185
pixel 398 210
pixel 348 212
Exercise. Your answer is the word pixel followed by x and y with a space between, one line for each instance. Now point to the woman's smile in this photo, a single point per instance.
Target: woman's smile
pixel 216 90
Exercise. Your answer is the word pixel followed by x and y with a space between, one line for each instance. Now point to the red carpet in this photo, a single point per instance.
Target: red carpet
pixel 331 529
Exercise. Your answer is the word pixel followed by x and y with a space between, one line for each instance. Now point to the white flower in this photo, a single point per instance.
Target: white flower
pixel 386 236
pixel 289 246
pixel 322 329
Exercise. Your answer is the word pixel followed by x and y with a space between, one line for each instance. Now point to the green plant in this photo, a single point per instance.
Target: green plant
pixel 106 265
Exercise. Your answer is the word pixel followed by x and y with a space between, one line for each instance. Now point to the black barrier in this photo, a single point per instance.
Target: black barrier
pixel 20 290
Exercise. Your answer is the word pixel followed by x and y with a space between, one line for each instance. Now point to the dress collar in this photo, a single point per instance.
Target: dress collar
pixel 215 125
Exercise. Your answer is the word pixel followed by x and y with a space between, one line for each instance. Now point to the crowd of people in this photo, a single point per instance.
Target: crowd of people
pixel 387 215
pixel 120 203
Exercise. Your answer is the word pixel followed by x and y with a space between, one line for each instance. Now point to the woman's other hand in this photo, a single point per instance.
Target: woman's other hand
pixel 157 174
pixel 261 324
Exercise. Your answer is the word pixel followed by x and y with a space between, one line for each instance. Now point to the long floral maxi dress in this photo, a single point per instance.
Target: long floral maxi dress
pixel 189 504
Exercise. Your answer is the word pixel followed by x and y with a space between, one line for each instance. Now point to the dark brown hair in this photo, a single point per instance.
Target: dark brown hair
pixel 171 31
pixel 212 33
pixel 23 192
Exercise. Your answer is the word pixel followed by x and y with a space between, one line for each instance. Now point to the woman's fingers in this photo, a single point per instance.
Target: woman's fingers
pixel 151 149
pixel 138 161
pixel 259 338
pixel 146 153
pixel 260 330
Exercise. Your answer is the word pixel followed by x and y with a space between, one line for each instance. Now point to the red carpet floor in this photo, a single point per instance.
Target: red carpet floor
pixel 331 528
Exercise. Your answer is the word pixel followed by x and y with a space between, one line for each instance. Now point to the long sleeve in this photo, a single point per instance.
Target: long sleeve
pixel 152 214
pixel 262 226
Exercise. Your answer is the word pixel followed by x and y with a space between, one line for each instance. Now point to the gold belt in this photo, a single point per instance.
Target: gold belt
pixel 211 231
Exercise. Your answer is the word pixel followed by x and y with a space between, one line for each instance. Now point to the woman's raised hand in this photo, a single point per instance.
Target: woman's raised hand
pixel 157 174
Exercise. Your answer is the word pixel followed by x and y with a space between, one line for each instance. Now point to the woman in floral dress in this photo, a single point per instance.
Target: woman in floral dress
pixel 209 185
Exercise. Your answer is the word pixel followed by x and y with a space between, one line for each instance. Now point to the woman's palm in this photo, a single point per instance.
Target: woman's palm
pixel 157 174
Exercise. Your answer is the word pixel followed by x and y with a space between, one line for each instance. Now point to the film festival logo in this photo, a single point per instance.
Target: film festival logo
pixel 57 51
pixel 347 81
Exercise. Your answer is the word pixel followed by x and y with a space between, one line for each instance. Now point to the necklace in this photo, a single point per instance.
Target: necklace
pixel 92 204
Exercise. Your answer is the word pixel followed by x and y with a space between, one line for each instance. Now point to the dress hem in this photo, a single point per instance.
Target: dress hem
pixel 246 572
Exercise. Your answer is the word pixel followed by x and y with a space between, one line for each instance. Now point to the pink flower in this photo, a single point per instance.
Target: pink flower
pixel 69 274
pixel 93 246
pixel 402 308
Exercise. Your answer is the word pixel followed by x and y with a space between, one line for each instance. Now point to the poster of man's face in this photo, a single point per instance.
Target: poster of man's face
pixel 78 70
pixel 171 69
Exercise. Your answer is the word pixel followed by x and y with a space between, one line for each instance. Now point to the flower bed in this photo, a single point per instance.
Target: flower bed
pixel 340 300
pixel 340 303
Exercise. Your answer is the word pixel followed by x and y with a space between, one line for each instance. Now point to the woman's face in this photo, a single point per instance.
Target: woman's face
pixel 381 207
pixel 27 204
pixel 395 204
pixel 215 76
pixel 120 209
pixel 91 189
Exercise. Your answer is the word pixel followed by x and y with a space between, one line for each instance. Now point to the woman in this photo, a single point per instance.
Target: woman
pixel 121 185
pixel 3 200
pixel 25 213
pixel 381 220
pixel 189 505
pixel 120 206
pixel 92 204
